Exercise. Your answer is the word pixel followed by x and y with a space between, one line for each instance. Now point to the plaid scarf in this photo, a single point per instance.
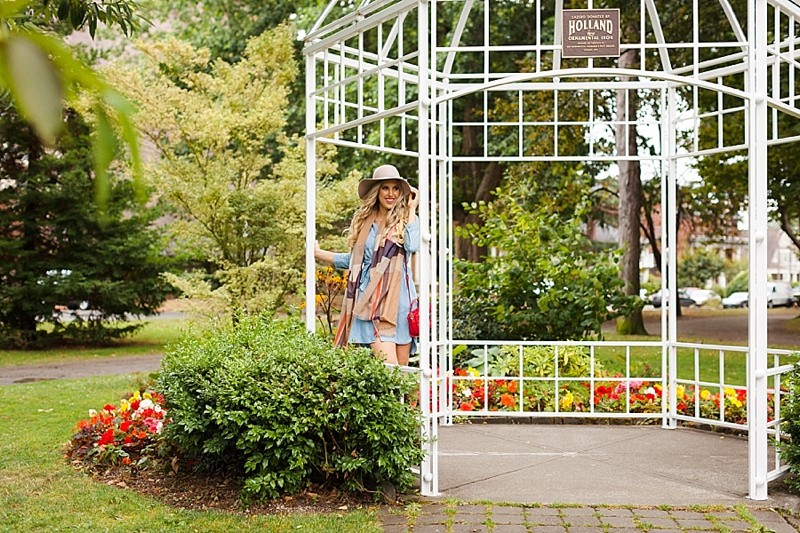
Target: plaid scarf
pixel 381 299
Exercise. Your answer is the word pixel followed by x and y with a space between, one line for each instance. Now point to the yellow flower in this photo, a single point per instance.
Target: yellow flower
pixel 735 402
pixel 124 405
pixel 730 392
pixel 147 396
pixel 566 401
pixel 704 394
pixel 136 396
pixel 680 392
pixel 473 372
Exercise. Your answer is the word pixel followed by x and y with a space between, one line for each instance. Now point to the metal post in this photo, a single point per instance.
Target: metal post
pixel 669 328
pixel 311 192
pixel 429 471
pixel 757 218
pixel 669 297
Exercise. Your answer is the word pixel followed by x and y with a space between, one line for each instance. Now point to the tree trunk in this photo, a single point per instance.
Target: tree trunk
pixel 483 178
pixel 630 198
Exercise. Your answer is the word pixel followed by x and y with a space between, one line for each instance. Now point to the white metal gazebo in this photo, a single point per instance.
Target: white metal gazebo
pixel 388 75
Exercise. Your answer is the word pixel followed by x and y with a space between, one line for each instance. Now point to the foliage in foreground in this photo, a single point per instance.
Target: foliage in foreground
pixel 285 409
pixel 790 450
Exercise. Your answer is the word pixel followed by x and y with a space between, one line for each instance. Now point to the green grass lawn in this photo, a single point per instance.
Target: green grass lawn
pixel 39 491
pixel 150 339
pixel 646 363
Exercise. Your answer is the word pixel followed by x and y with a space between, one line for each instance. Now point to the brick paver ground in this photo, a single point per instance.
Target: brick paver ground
pixel 492 518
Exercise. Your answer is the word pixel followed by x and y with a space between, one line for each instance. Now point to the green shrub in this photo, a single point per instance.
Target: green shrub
pixel 539 361
pixel 285 409
pixel 790 411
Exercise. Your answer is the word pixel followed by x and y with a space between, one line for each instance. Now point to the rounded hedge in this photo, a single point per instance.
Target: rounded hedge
pixel 286 408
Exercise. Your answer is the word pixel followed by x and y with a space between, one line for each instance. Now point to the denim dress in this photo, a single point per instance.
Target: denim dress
pixel 363 331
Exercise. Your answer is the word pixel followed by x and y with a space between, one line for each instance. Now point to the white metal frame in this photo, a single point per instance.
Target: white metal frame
pixel 378 77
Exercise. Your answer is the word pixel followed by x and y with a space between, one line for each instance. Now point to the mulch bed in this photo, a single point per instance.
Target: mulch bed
pixel 204 491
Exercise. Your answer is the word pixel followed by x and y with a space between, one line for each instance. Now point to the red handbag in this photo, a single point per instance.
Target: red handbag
pixel 413 318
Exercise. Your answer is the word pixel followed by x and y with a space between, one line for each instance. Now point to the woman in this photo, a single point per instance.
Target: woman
pixel 383 234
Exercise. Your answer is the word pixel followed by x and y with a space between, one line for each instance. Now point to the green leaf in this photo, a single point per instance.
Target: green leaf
pixel 35 86
pixel 105 147
pixel 10 8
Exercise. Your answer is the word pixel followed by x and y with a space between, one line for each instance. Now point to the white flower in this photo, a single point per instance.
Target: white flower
pixel 92 412
pixel 145 404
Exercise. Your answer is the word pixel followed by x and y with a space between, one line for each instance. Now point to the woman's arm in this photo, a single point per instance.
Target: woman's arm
pixel 323 256
pixel 411 241
pixel 331 258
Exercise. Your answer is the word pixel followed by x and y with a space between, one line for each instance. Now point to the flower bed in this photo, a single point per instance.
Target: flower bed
pixel 124 434
pixel 609 394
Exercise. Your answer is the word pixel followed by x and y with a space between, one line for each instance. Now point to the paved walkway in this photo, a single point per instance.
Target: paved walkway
pixel 587 478
pixel 491 518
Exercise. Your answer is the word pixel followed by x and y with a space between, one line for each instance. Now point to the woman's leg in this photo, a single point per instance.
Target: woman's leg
pixel 385 350
pixel 403 353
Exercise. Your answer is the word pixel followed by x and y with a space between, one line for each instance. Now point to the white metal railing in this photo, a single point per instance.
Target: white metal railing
pixel 504 380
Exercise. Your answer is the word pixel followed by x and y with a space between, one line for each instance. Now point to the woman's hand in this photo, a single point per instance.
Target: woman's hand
pixel 413 201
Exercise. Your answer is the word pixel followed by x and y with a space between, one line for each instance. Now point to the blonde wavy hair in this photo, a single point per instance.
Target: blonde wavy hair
pixel 397 217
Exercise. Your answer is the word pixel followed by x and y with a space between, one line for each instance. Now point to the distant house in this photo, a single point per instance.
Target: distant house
pixel 783 259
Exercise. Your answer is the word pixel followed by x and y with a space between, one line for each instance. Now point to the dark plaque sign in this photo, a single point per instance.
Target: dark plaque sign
pixel 590 33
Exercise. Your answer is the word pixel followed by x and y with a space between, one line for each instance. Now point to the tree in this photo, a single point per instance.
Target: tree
pixel 630 193
pixel 546 281
pixel 56 247
pixel 698 267
pixel 238 206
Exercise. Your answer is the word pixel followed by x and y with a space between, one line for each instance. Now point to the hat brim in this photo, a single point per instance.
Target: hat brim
pixel 365 185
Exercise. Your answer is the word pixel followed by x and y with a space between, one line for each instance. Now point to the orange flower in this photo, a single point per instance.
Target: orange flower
pixel 507 400
pixel 466 407
pixel 512 387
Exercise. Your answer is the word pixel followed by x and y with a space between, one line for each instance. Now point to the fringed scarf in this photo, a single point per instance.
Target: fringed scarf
pixel 381 299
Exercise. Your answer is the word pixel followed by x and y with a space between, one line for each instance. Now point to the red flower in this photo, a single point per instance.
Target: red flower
pixel 135 404
pixel 106 438
pixel 108 407
pixel 466 407
pixel 125 426
pixel 126 460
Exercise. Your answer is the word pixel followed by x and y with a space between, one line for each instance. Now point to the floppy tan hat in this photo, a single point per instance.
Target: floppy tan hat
pixel 382 173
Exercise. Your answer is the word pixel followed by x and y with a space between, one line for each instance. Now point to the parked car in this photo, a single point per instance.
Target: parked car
pixel 736 299
pixel 683 298
pixel 796 294
pixel 779 293
pixel 704 296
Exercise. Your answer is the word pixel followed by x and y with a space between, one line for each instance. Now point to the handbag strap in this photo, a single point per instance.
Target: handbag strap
pixel 408 282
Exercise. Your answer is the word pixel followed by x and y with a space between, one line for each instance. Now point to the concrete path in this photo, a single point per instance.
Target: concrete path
pixel 583 478
pixel 100 366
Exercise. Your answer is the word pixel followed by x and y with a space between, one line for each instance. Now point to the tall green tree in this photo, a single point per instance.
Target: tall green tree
pixel 56 247
pixel 237 205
